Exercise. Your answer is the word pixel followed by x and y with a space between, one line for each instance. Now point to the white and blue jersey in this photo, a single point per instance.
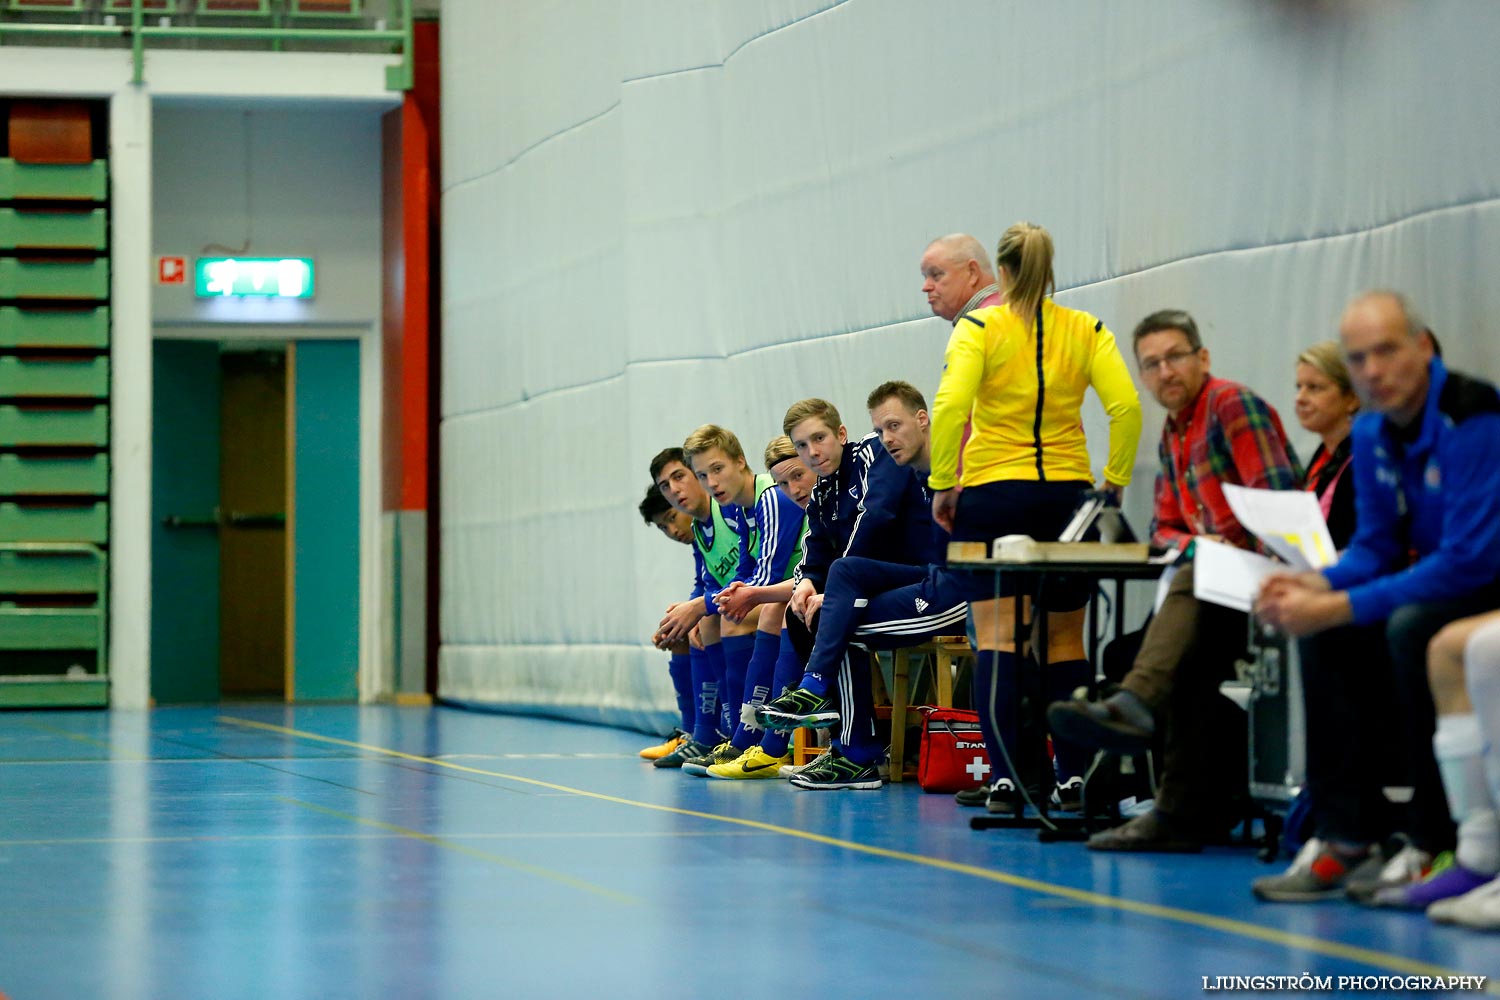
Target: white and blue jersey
pixel 869 507
pixel 771 548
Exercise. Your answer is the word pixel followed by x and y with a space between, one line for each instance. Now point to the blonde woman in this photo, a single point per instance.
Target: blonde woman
pixel 1326 404
pixel 1019 371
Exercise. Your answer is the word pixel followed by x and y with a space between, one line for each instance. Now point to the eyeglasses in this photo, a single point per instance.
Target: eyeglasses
pixel 1149 366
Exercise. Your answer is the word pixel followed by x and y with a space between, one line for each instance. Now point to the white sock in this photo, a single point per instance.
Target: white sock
pixel 1459 747
pixel 1482 677
pixel 1479 842
pixel 1467 754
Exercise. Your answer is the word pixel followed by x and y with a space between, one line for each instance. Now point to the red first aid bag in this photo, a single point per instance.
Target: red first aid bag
pixel 952 753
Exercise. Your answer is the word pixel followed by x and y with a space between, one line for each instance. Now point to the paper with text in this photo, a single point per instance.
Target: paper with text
pixel 1288 522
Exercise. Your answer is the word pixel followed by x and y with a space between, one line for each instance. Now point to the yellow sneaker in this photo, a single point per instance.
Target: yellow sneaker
pixel 753 763
pixel 662 749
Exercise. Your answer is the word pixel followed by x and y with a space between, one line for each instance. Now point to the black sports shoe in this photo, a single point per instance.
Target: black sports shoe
pixel 834 770
pixel 797 708
pixel 1002 797
pixel 1068 795
pixel 689 749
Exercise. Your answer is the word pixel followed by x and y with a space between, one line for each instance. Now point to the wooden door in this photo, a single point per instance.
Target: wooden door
pixel 252 534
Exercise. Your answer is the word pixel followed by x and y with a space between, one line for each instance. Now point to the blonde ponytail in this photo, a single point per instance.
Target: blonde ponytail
pixel 1026 252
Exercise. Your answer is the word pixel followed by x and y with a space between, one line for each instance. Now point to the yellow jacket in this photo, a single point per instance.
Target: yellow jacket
pixel 1023 384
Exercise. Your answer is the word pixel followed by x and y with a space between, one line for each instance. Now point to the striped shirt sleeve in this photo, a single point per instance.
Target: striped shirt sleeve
pixel 780 522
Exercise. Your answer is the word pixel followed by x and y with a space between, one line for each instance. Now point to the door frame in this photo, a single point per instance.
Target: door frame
pixel 371 614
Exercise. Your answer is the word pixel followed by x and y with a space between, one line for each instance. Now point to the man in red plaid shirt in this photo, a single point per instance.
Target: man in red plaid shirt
pixel 1217 432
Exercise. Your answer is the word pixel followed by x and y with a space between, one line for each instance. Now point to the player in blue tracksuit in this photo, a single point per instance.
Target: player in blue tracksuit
pixel 863 505
pixel 879 604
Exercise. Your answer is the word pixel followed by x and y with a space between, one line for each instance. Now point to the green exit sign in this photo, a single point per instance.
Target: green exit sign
pixel 261 277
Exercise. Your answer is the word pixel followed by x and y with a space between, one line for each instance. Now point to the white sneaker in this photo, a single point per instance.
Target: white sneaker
pixel 1406 866
pixel 1478 908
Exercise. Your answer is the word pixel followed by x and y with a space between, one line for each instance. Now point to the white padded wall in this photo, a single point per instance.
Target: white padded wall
pixel 666 212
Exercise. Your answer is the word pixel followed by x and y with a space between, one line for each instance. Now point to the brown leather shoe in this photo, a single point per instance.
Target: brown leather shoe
pixel 1153 832
pixel 1098 724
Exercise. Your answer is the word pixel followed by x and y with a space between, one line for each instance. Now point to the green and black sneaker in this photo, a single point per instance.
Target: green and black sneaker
pixel 833 770
pixel 797 708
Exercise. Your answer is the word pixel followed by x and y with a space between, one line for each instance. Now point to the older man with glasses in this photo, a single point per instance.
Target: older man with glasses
pixel 1217 432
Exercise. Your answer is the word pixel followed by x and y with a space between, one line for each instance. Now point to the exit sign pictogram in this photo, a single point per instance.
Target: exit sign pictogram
pixel 171 270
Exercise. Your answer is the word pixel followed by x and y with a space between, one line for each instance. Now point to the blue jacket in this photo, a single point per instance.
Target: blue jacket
pixel 869 507
pixel 1428 513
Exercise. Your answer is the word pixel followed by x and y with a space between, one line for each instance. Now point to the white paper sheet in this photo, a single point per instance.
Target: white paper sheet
pixel 1289 522
pixel 1229 576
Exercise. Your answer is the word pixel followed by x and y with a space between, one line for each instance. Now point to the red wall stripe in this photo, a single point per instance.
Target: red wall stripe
pixel 416 188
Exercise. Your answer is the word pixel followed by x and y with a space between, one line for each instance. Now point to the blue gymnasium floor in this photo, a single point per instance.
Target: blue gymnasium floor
pixel 331 852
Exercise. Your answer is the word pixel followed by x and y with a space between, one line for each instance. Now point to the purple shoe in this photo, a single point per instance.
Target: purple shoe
pixel 1444 882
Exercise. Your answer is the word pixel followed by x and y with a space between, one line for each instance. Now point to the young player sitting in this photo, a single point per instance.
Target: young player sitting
pixel 767 548
pixel 879 604
pixel 716 557
pixel 678 527
pixel 774 666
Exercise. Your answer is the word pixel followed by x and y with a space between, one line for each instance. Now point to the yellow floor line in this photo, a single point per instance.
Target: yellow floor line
pixel 464 849
pixel 1240 928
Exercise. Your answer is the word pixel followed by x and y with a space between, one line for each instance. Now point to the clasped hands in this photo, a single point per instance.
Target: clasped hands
pixel 1300 604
